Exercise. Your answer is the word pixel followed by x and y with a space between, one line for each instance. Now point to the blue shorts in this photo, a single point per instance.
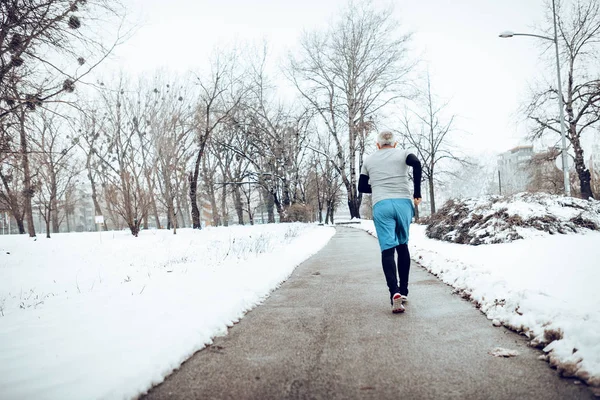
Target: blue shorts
pixel 392 218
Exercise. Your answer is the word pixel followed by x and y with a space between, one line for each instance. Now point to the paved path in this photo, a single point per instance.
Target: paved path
pixel 328 333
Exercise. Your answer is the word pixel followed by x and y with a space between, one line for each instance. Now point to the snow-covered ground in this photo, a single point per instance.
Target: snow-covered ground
pixel 501 219
pixel 545 286
pixel 107 316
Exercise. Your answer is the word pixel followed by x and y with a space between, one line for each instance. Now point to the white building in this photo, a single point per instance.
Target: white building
pixel 514 171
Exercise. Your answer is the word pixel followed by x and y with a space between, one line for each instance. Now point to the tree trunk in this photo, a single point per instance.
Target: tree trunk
pixel 225 216
pixel 173 216
pixel 68 222
pixel 319 200
pixel 54 217
pixel 330 209
pixel 14 208
pixel 193 180
pixel 193 200
pixel 351 186
pixel 268 199
pixel 169 221
pixel 585 178
pixel 250 213
pixel 20 225
pixel 237 202
pixel 28 190
pixel 431 193
pixel 53 211
pixel 280 210
pixel 47 221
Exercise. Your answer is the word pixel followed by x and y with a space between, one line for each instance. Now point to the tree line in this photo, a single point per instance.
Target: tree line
pixel 159 150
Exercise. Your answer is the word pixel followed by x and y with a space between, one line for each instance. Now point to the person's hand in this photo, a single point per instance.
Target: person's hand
pixel 417 201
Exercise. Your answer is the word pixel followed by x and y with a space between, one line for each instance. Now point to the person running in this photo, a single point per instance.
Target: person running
pixel 385 175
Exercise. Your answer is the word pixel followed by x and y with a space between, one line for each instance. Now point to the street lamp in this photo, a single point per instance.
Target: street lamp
pixel 509 34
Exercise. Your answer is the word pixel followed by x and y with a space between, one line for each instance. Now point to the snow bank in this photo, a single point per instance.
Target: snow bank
pixel 91 316
pixel 497 219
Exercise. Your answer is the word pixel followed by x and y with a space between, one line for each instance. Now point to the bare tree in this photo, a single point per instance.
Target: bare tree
pixel 430 136
pixel 220 93
pixel 236 170
pixel 90 141
pixel 47 46
pixel 57 166
pixel 348 75
pixel 579 38
pixel 121 156
pixel 28 185
pixel 327 184
pixel 172 131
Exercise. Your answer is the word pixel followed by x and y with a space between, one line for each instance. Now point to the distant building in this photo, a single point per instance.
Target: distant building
pixel 514 171
pixel 82 217
pixel 7 224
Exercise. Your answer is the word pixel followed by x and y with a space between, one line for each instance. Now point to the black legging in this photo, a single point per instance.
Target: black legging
pixel 389 269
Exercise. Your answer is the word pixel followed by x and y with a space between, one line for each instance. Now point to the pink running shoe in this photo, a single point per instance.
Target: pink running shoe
pixel 397 306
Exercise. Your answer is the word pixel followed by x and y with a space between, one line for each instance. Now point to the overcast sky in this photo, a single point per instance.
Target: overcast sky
pixel 485 78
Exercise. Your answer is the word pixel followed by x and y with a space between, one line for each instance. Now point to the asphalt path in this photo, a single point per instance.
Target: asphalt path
pixel 328 333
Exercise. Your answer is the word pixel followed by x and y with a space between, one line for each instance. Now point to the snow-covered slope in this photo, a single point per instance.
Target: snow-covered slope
pixel 497 219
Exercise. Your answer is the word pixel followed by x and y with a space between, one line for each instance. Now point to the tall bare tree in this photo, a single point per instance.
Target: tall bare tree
pixel 57 166
pixel 579 41
pixel 91 135
pixel 348 74
pixel 220 93
pixel 172 131
pixel 120 153
pixel 430 137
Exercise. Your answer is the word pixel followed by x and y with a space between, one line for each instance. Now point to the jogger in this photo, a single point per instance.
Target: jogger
pixel 385 175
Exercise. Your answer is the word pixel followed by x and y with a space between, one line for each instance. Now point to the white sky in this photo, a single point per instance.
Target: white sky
pixel 484 77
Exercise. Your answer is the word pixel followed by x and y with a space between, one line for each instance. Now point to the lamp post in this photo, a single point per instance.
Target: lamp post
pixel 565 167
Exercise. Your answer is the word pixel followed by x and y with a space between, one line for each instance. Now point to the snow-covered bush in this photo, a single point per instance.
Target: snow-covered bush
pixel 498 219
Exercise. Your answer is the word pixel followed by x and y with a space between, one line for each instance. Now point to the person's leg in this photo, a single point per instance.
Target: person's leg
pixel 403 267
pixel 404 211
pixel 385 225
pixel 389 270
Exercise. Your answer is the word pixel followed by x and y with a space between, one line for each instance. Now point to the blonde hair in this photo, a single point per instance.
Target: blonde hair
pixel 386 138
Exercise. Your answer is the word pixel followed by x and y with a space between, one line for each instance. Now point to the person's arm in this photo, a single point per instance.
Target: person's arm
pixel 414 162
pixel 363 179
pixel 363 184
